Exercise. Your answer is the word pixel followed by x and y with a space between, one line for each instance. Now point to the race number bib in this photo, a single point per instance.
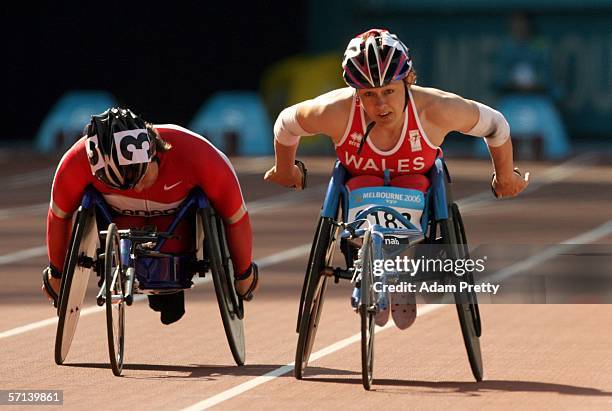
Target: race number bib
pixel 408 202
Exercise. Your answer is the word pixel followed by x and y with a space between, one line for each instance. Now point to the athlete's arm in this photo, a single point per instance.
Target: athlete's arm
pixel 73 174
pixel 450 112
pixel 326 114
pixel 216 176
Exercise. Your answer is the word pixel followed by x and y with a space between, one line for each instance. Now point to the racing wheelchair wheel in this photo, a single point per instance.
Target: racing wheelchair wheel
pixel 367 310
pixel 315 283
pixel 114 279
pixel 230 306
pixel 77 268
pixel 475 311
pixel 469 317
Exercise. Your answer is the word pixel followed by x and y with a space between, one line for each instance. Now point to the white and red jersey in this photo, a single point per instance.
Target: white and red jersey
pixel 191 162
pixel 413 153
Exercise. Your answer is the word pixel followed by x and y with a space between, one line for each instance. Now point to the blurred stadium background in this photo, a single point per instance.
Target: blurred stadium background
pixel 227 71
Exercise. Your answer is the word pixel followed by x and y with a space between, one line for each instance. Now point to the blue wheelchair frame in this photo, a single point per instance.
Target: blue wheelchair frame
pixel 336 192
pixel 436 209
pixel 156 272
pixel 439 213
pixel 122 261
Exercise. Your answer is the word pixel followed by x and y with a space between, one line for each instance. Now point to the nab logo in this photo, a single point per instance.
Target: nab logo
pixel 391 241
pixel 134 146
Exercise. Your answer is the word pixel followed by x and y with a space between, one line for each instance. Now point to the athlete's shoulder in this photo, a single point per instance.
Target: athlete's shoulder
pixel 173 132
pixel 437 105
pixel 186 144
pixel 447 111
pixel 339 99
pixel 327 113
pixel 426 97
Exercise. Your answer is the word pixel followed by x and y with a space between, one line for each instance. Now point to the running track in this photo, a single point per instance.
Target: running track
pixel 535 356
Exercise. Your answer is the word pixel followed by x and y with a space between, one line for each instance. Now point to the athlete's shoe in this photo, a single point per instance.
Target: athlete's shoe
pixel 403 309
pixel 171 306
pixel 51 272
pixel 248 294
pixel 382 315
pixel 355 297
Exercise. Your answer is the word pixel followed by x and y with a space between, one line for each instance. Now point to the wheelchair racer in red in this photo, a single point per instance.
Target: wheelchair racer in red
pixel 383 123
pixel 144 172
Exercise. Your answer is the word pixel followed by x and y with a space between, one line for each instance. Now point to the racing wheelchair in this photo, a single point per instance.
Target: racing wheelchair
pixel 129 262
pixel 442 227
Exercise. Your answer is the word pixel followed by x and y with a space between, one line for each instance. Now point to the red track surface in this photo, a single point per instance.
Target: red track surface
pixel 535 356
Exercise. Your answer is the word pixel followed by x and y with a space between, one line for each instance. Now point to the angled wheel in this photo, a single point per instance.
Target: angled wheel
pixel 77 269
pixel 114 276
pixel 466 310
pixel 307 277
pixel 230 306
pixel 315 283
pixel 367 311
pixel 474 310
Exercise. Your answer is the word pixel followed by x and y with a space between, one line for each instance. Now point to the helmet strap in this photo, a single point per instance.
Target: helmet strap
pixel 365 136
pixel 406 96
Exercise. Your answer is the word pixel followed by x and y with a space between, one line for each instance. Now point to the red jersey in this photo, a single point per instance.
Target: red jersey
pixel 192 161
pixel 413 153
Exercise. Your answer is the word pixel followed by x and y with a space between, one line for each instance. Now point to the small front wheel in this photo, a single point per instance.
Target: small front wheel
pixel 115 305
pixel 367 311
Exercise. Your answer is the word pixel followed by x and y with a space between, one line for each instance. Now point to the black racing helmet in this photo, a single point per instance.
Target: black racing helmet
pixel 119 148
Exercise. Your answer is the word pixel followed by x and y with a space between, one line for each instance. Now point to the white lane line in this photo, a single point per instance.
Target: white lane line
pixel 284 255
pixel 40 208
pixel 23 255
pixel 550 176
pixel 262 263
pixel 28 179
pixel 466 205
pixel 84 313
pixel 584 238
pixel 285 199
pixel 255 382
pixel 551 252
pixel 254 207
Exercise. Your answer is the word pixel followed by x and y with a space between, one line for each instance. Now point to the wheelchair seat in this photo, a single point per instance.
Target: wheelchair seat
pixel 164 275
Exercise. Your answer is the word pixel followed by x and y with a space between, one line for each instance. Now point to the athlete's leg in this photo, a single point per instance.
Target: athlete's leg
pixel 403 305
pixel 170 306
pixel 414 181
pixel 364 181
pixel 239 241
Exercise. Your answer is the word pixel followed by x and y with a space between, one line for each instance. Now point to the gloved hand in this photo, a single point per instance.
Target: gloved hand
pixel 52 279
pixel 248 294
